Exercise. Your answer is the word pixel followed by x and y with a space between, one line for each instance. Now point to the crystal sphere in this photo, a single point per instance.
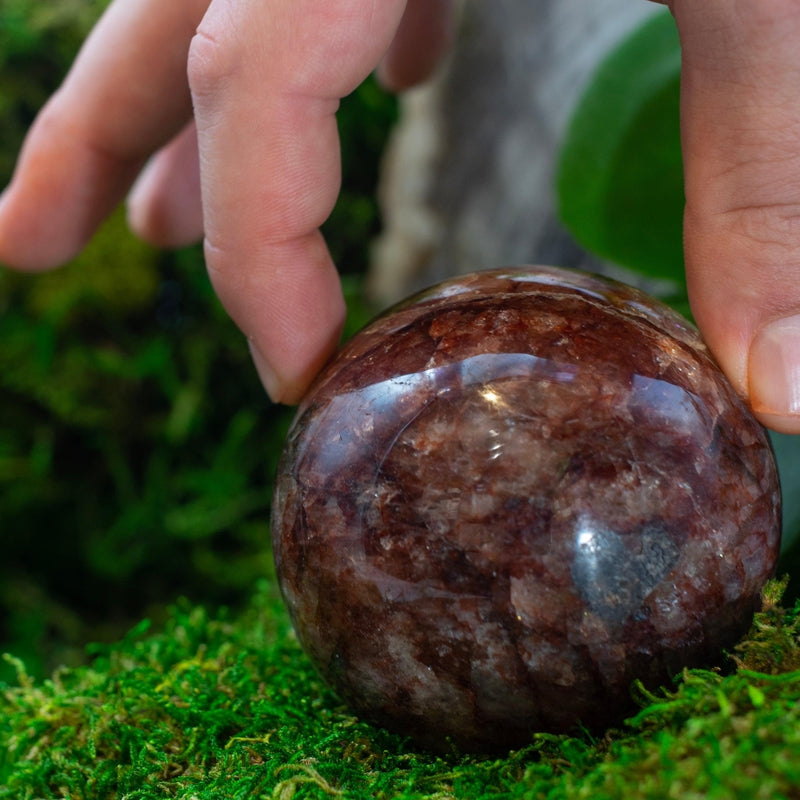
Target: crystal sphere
pixel 512 496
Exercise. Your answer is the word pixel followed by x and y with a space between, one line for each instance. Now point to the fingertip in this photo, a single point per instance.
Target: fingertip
pixel 774 374
pixel 423 37
pixel 287 300
pixel 289 387
pixel 147 213
pixel 780 423
pixel 164 206
pixel 137 207
pixel 761 359
pixel 286 381
pixel 26 244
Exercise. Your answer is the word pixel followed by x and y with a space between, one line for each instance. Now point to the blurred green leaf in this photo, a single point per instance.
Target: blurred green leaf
pixel 620 184
pixel 787 454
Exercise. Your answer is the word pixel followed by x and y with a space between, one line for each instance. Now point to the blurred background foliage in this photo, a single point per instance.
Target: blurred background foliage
pixel 137 448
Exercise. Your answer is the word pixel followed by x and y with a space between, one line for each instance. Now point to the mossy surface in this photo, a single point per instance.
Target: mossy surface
pixel 229 708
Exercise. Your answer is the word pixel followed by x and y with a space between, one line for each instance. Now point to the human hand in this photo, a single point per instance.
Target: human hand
pixel 740 109
pixel 265 88
pixel 252 130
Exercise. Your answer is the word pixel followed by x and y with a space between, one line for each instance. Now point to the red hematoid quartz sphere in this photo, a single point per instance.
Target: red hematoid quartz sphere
pixel 513 495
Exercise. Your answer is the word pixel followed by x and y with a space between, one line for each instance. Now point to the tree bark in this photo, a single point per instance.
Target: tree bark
pixel 468 177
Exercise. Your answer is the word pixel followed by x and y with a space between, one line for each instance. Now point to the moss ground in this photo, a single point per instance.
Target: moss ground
pixel 124 364
pixel 215 706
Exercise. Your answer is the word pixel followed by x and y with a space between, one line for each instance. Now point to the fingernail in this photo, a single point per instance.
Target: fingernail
pixel 774 368
pixel 265 371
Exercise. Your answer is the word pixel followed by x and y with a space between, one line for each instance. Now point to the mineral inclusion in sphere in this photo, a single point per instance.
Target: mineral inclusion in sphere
pixel 512 496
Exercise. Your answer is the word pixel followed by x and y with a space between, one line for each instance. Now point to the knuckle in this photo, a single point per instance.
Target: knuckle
pixel 217 257
pixel 228 281
pixel 211 62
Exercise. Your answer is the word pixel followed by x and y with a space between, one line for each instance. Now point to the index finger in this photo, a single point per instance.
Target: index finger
pixel 266 80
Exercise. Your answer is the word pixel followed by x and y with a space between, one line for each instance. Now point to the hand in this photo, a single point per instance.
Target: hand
pixel 740 109
pixel 265 86
pixel 256 114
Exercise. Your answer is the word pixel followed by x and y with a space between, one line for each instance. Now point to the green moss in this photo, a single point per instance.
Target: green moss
pixel 773 646
pixel 228 708
pixel 116 271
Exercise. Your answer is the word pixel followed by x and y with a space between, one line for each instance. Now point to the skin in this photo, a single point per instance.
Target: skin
pixel 221 117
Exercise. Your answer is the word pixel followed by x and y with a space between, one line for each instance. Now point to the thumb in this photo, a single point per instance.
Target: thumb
pixel 740 111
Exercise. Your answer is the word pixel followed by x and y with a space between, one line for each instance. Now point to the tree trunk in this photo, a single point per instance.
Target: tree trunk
pixel 468 175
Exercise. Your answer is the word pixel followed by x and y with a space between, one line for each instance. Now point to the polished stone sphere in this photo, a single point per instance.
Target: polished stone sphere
pixel 512 496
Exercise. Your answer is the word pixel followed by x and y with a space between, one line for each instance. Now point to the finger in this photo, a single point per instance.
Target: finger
pixel 164 206
pixel 741 139
pixel 425 33
pixel 125 96
pixel 266 81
